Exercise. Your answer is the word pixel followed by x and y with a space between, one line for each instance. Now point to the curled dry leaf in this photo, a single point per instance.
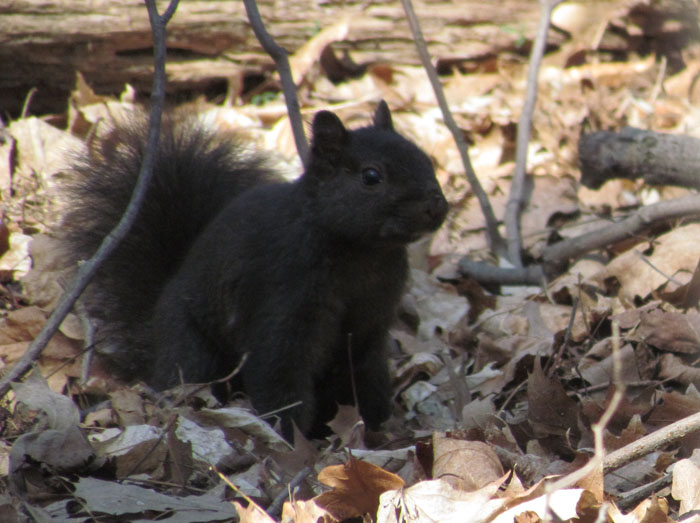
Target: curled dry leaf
pixel 60 412
pixel 357 486
pixel 303 60
pixel 466 465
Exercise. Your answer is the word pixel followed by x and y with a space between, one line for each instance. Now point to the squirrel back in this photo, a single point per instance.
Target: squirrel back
pixel 226 260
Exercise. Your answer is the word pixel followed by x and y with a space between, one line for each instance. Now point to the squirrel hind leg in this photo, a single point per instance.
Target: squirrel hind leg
pixel 182 351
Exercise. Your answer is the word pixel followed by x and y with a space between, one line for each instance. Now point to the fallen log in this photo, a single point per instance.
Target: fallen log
pixel 655 158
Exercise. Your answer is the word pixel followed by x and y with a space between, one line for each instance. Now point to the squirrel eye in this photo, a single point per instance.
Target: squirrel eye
pixel 371 176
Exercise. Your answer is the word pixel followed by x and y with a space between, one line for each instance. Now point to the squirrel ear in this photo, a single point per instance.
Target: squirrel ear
pixel 329 133
pixel 382 117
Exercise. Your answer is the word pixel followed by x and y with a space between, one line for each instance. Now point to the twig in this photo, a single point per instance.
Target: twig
pixel 517 186
pixel 289 88
pixel 555 257
pixel 163 433
pixel 495 241
pixel 488 273
pixel 654 268
pixel 558 254
pixel 262 515
pixel 636 496
pixel 275 508
pixel 87 270
pixel 184 397
pixel 649 443
pixel 555 362
pixel 599 453
pixel 89 330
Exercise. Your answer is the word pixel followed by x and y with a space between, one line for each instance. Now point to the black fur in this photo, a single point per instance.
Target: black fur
pixel 225 259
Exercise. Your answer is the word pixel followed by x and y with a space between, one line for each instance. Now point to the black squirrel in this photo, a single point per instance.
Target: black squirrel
pixel 227 259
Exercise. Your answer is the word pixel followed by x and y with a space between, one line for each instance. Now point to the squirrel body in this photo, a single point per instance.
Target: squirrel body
pixel 227 260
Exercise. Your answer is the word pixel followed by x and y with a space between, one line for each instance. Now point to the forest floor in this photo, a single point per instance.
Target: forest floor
pixel 499 389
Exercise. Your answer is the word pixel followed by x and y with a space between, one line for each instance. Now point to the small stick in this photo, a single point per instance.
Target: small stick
pixel 495 240
pixel 88 269
pixel 289 88
pixel 517 186
pixel 651 442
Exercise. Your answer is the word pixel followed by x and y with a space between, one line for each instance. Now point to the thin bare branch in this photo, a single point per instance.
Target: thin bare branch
pixel 558 254
pixel 651 442
pixel 489 273
pixel 599 449
pixel 495 241
pixel 517 187
pixel 289 88
pixel 87 270
pixel 556 257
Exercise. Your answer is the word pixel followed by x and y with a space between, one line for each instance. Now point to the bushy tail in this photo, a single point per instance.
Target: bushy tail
pixel 195 175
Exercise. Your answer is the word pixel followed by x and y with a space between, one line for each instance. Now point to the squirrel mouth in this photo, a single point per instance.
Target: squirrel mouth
pixel 403 236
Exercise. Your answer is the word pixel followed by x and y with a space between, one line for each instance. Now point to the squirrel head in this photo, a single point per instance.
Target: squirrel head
pixel 371 185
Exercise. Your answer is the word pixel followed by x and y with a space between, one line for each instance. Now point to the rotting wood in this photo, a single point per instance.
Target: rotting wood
pixel 44 42
pixel 656 158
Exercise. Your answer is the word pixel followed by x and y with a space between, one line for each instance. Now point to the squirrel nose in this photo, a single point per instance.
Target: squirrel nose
pixel 436 208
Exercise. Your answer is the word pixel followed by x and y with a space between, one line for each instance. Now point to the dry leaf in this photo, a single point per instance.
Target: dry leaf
pixel 305 512
pixel 308 54
pixel 347 424
pixel 128 406
pixel 652 510
pixel 136 449
pixel 686 483
pixel 436 500
pixel 357 486
pixel 252 513
pixel 478 413
pixel 670 331
pixel 561 503
pixel 640 275
pixel 593 483
pixel 49 452
pixel 59 411
pixel 466 465
pixel 438 305
pixel 550 410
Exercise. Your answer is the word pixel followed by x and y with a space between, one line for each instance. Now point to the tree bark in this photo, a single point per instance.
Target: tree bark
pixel 657 158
